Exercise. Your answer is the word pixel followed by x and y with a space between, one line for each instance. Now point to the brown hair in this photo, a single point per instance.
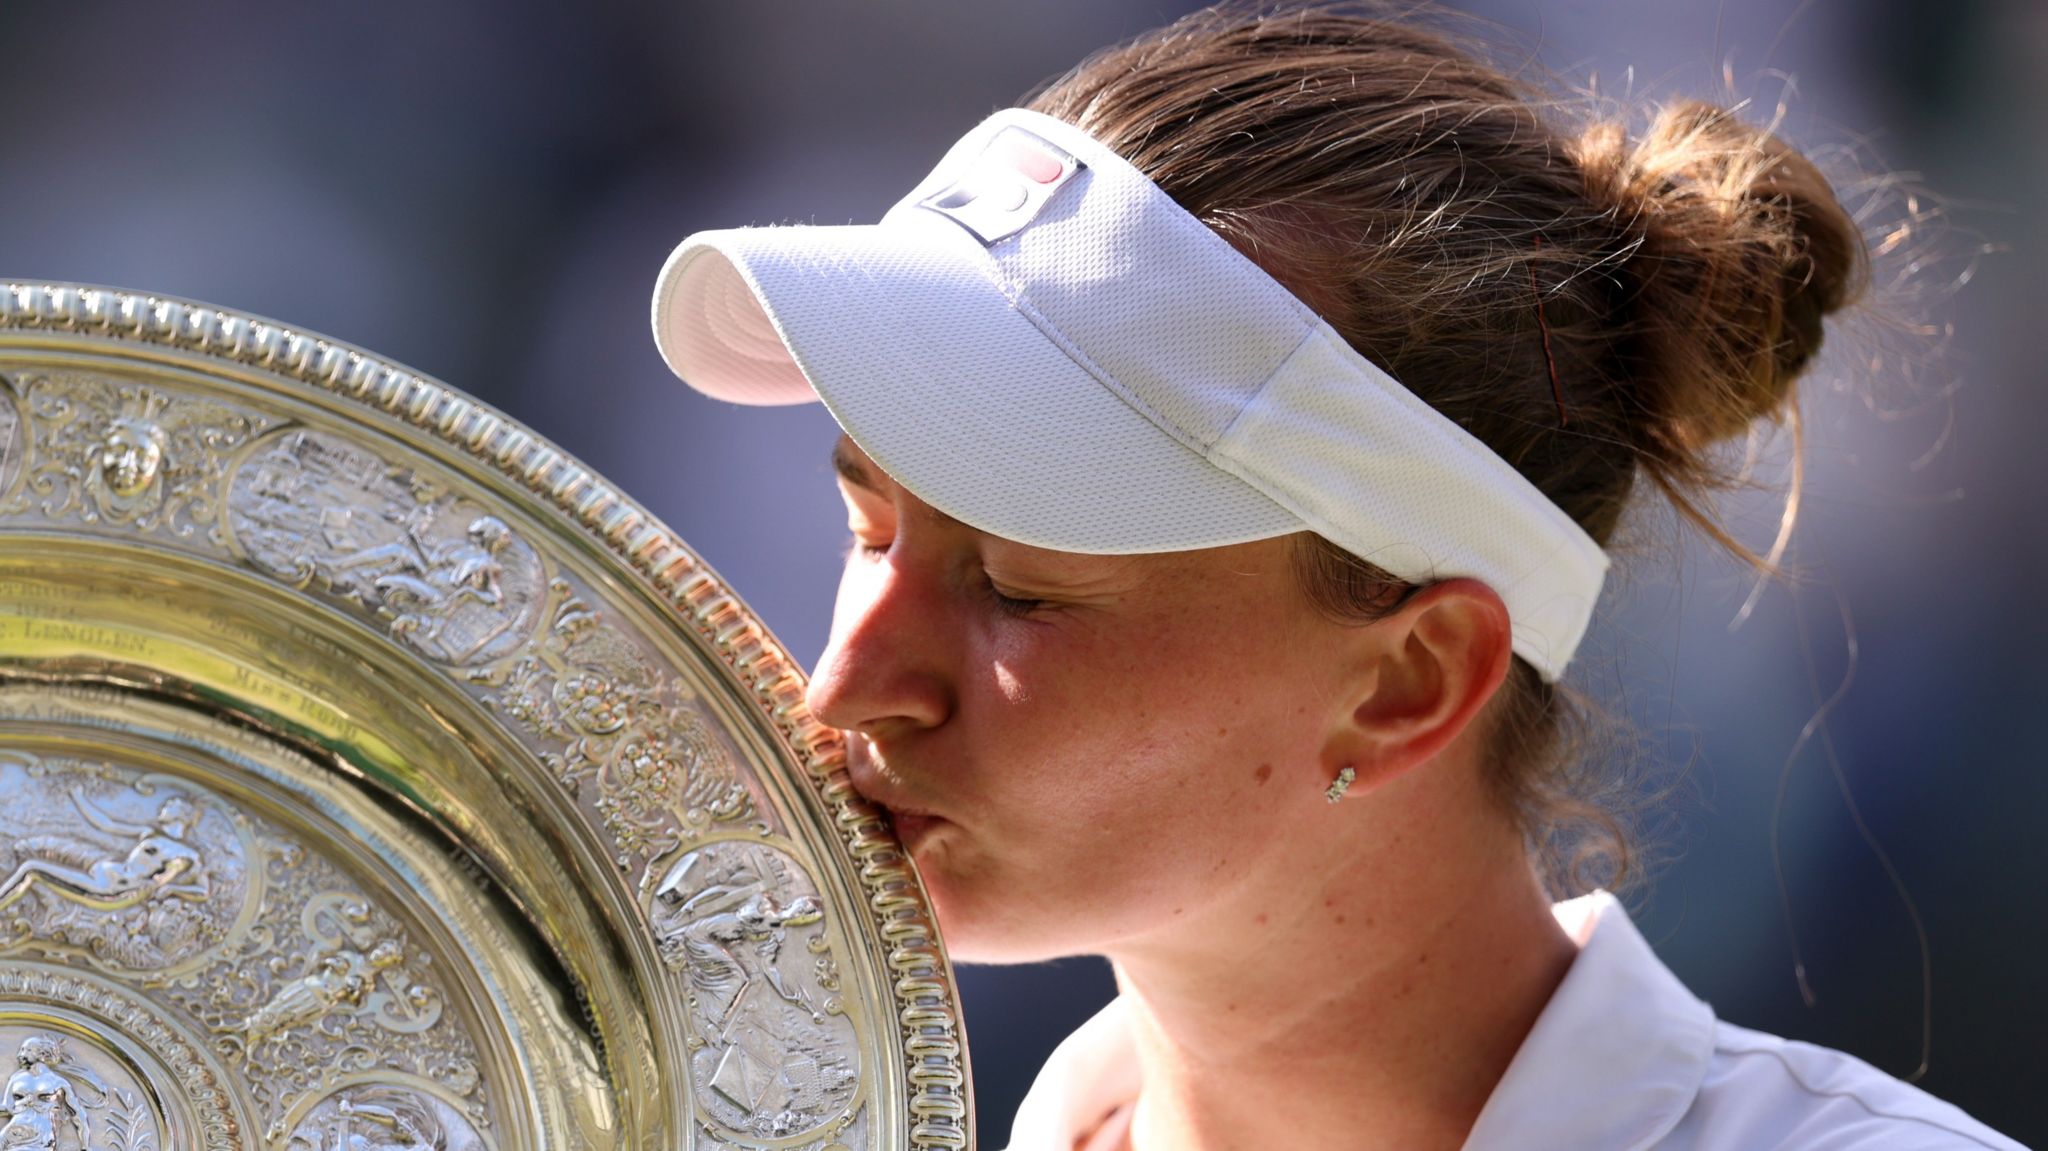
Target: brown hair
pixel 1595 308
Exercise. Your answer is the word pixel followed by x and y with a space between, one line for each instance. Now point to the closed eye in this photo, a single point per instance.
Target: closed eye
pixel 1018 606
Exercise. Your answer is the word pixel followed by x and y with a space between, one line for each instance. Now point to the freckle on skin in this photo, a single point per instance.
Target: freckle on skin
pixel 1340 919
pixel 1262 918
pixel 1221 732
pixel 1264 773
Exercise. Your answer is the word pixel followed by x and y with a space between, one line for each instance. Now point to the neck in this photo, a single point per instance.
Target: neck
pixel 1375 1005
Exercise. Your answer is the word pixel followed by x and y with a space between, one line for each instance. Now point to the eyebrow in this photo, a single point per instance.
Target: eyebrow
pixel 851 469
pixel 847 461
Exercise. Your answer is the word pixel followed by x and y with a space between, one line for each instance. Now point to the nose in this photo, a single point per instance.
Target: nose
pixel 884 670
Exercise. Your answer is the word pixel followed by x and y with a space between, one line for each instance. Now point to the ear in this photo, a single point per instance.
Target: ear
pixel 1423 674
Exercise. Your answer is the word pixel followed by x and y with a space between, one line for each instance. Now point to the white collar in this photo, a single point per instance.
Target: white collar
pixel 1614 1060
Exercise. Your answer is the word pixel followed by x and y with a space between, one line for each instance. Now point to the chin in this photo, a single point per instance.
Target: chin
pixel 981 926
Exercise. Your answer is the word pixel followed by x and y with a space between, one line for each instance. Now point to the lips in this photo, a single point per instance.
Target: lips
pixel 913 828
pixel 911 821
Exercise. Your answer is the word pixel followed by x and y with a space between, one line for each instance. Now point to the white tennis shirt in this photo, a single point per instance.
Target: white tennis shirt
pixel 1622 1058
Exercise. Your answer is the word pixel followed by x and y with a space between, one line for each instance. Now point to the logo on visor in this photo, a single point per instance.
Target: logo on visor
pixel 1007 186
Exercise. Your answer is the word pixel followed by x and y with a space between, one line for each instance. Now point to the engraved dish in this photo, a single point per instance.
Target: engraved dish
pixel 373 776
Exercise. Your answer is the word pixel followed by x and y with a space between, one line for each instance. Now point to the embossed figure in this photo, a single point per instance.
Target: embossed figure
pixel 40 1103
pixel 279 471
pixel 124 455
pixel 10 423
pixel 339 979
pixel 401 1125
pixel 383 1119
pixel 730 952
pixel 131 455
pixel 450 580
pixel 159 863
pixel 436 577
pixel 422 583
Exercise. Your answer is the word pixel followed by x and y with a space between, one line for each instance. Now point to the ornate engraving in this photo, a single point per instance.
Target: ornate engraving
pixel 326 987
pixel 341 979
pixel 133 873
pixel 623 734
pixel 383 1118
pixel 160 863
pixel 141 874
pixel 181 1074
pixel 929 1106
pixel 53 1102
pixel 773 1052
pixel 328 982
pixel 10 437
pixel 849 1138
pixel 127 454
pixel 451 581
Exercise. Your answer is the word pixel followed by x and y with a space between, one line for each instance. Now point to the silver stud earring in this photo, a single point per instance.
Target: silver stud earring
pixel 1340 785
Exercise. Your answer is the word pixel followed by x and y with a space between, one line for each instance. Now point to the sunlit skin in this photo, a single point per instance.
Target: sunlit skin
pixel 1126 756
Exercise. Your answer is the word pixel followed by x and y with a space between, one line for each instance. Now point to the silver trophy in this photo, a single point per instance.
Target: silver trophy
pixel 374 776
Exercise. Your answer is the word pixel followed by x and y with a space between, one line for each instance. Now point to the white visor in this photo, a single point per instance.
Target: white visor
pixel 1041 343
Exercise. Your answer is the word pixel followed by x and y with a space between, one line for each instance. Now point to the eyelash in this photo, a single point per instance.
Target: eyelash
pixel 1008 605
pixel 1011 605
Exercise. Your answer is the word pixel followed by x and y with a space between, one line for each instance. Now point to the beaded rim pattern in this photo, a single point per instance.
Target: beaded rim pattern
pixel 923 984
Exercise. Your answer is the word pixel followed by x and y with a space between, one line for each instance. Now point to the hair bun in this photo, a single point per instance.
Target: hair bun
pixel 1738 249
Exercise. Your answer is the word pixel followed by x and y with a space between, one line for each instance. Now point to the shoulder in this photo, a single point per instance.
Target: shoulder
pixel 1761 1091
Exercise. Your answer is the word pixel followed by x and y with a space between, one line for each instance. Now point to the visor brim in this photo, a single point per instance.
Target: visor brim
pixel 903 331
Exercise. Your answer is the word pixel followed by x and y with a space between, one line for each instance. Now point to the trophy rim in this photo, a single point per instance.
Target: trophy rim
pixel 923 987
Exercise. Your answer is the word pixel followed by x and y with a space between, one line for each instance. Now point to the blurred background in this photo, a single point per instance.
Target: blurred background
pixel 484 189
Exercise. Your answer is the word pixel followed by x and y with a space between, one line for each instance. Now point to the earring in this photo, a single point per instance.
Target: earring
pixel 1340 785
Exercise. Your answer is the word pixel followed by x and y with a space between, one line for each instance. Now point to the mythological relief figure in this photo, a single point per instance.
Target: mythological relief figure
pixel 331 988
pixel 356 977
pixel 159 863
pixel 730 953
pixel 41 1104
pixel 339 979
pixel 775 1057
pixel 126 454
pixel 130 456
pixel 10 429
pixel 383 1119
pixel 455 585
pixel 124 872
pixel 420 581
pixel 124 469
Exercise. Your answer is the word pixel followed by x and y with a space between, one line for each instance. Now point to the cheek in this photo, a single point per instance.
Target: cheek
pixel 1165 737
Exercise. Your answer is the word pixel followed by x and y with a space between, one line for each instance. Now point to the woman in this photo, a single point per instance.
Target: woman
pixel 1231 444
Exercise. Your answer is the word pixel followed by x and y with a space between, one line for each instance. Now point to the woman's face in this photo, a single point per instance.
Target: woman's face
pixel 1079 751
